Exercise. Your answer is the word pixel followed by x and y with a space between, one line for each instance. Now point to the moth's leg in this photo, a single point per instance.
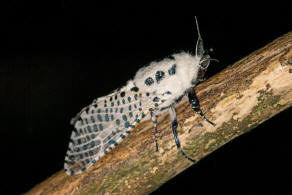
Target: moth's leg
pixel 153 117
pixel 174 130
pixel 196 105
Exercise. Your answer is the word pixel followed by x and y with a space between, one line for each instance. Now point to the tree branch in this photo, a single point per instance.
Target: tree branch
pixel 237 99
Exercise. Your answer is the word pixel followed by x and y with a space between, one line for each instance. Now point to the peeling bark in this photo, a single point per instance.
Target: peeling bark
pixel 237 99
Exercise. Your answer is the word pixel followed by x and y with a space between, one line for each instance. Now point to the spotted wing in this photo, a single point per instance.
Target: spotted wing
pixel 103 124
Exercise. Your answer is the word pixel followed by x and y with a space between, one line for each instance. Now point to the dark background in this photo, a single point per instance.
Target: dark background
pixel 56 57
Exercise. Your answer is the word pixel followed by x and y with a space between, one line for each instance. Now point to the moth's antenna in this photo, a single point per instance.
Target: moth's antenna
pixel 199 46
pixel 198 29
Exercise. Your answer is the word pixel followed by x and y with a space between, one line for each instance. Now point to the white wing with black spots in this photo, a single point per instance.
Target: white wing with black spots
pixel 103 124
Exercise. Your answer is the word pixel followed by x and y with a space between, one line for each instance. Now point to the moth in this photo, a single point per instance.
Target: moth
pixel 156 88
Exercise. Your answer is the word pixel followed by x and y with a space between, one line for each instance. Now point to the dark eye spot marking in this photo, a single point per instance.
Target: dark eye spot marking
pixel 95 128
pixel 99 117
pixel 168 93
pixel 127 124
pixel 135 89
pixel 136 96
pixel 149 81
pixel 106 117
pixel 159 76
pixel 172 70
pixel 123 94
pixel 143 115
pixel 155 99
pixel 124 117
pixel 118 122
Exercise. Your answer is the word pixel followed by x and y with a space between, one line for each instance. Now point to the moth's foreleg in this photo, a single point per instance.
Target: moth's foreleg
pixel 175 134
pixel 154 120
pixel 196 105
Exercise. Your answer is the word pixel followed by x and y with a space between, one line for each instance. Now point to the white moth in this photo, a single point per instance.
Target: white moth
pixel 155 88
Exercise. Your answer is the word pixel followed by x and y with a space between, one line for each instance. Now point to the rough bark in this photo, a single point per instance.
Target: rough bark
pixel 237 99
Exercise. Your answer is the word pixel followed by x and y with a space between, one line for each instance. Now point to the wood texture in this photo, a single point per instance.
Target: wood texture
pixel 237 99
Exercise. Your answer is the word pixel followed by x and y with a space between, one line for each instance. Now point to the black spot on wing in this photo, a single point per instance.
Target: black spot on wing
pixel 155 99
pixel 135 89
pixel 135 96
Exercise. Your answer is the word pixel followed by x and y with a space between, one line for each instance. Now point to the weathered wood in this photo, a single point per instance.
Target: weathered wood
pixel 237 99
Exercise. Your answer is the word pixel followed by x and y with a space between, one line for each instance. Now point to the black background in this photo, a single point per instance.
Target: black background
pixel 56 57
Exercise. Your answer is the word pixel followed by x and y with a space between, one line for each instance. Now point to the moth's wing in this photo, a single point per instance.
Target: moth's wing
pixel 103 124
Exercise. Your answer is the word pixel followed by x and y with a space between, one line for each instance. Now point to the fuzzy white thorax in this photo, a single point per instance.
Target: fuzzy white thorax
pixel 187 67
